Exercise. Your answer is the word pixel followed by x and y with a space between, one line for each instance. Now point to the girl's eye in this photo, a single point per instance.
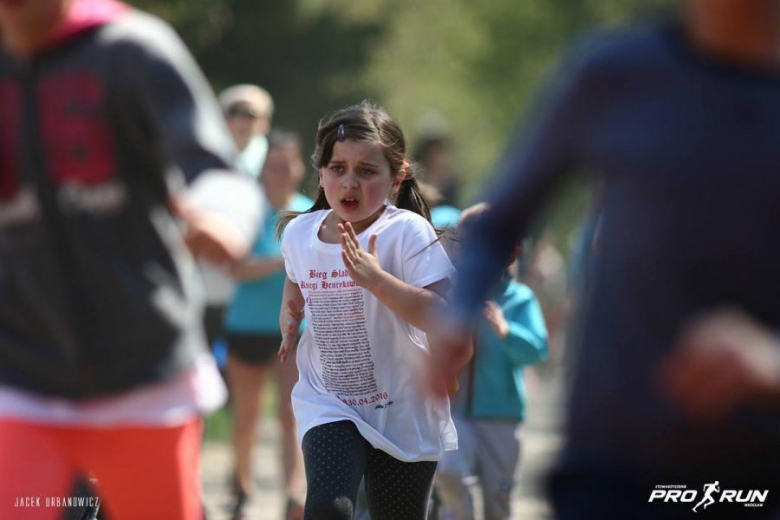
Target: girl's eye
pixel 367 171
pixel 337 168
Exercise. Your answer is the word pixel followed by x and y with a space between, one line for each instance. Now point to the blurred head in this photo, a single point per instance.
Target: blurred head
pixel 470 216
pixel 248 111
pixel 740 21
pixel 364 164
pixel 23 23
pixel 432 152
pixel 284 168
pixel 734 6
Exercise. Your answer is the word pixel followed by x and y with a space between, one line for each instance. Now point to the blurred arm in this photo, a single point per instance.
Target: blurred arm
pixel 256 267
pixel 176 117
pixel 536 160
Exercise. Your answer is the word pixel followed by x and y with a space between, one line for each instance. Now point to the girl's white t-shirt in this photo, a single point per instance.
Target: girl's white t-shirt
pixel 357 359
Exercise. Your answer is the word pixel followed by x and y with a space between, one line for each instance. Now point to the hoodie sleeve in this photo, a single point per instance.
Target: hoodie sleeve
pixel 536 160
pixel 176 104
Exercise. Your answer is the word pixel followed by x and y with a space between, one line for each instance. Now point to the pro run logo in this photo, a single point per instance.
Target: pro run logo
pixel 709 495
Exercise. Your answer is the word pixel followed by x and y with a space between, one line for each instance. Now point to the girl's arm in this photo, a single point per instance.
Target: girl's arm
pixel 415 305
pixel 290 317
pixel 254 267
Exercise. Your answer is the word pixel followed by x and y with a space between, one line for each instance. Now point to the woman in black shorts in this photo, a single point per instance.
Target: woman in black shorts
pixel 252 325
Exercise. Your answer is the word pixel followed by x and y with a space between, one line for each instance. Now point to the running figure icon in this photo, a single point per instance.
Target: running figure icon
pixel 708 490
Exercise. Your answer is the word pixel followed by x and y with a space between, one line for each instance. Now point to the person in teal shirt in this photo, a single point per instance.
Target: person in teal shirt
pixel 252 325
pixel 489 406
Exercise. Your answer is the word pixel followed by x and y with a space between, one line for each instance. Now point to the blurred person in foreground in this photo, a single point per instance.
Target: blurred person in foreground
pixel 109 133
pixel 253 335
pixel 489 407
pixel 678 379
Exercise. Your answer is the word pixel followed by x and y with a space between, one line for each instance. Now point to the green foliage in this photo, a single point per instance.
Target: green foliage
pixel 472 65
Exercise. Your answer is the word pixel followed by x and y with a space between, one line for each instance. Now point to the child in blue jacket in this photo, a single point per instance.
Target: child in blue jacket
pixel 490 404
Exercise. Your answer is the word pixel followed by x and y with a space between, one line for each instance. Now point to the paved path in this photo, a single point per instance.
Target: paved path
pixel 542 439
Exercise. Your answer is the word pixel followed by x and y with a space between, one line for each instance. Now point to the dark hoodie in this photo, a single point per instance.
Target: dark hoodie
pixel 96 285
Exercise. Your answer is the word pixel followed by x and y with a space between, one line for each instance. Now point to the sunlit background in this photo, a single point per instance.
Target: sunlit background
pixel 458 67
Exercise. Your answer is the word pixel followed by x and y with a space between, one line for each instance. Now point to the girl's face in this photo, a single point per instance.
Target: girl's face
pixel 283 170
pixel 357 181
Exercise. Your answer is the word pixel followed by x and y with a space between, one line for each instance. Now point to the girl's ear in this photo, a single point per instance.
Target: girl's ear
pixel 397 181
pixel 319 177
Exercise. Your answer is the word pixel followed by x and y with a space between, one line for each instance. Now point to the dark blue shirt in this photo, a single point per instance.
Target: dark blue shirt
pixel 688 149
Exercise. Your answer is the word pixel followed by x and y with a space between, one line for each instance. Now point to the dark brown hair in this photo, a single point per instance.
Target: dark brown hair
pixel 370 123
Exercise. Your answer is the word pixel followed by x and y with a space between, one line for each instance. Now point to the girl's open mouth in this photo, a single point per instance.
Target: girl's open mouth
pixel 350 204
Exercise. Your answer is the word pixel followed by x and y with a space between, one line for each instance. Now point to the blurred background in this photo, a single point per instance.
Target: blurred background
pixel 458 68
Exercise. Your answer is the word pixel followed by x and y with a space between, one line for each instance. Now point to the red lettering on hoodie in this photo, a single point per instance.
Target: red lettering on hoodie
pixel 78 141
pixel 10 101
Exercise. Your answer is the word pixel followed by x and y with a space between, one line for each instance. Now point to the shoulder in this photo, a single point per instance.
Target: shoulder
pixel 519 293
pixel 146 34
pixel 138 26
pixel 406 219
pixel 606 51
pixel 303 223
pixel 445 216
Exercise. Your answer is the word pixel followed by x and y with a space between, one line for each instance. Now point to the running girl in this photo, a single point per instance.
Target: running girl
pixel 365 265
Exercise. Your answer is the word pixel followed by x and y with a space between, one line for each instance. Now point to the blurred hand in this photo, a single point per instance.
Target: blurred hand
pixel 292 316
pixel 722 362
pixel 495 318
pixel 452 347
pixel 209 235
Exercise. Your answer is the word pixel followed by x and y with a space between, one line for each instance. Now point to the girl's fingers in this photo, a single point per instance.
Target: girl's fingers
pixel 348 263
pixel 372 245
pixel 352 236
pixel 282 353
pixel 346 245
pixel 349 246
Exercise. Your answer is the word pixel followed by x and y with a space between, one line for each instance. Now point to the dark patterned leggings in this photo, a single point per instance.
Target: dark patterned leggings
pixel 337 457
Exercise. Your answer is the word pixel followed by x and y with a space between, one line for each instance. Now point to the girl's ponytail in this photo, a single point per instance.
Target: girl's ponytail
pixel 410 196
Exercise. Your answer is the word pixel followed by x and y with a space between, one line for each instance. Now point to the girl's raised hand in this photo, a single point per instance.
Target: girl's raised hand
pixel 363 266
pixel 291 323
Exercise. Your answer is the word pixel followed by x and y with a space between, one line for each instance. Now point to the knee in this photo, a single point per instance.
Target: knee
pixel 449 483
pixel 334 508
pixel 245 422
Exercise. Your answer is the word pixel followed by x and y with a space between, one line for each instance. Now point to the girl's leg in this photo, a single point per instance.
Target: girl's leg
pixel 498 444
pixel 396 489
pixel 148 472
pixel 246 384
pixel 456 472
pixel 34 465
pixel 334 456
pixel 292 458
